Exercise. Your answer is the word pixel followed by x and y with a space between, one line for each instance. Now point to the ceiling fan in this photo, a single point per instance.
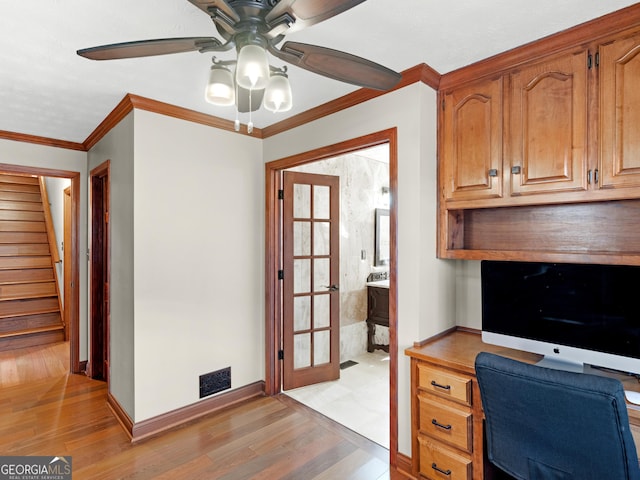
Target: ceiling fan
pixel 263 24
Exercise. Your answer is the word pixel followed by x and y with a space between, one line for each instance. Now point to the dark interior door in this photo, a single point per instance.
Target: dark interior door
pixel 99 354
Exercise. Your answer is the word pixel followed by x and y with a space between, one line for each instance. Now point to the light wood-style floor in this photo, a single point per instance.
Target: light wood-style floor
pixel 46 411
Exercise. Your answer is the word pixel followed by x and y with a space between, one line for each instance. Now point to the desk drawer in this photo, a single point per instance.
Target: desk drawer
pixel 447 424
pixel 438 463
pixel 444 384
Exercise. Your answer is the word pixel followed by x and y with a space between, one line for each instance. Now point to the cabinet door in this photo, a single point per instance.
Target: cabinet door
pixel 472 142
pixel 548 126
pixel 378 305
pixel 620 113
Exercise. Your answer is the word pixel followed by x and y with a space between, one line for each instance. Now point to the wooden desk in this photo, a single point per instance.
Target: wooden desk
pixel 444 388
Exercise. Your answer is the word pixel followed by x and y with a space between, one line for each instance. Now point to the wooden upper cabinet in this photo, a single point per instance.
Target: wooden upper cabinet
pixel 548 135
pixel 620 113
pixel 472 141
pixel 539 136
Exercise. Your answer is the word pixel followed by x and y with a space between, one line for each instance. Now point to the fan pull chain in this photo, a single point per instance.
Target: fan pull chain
pixel 250 124
pixel 236 124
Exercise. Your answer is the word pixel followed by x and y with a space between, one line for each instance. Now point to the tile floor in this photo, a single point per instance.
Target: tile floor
pixel 359 400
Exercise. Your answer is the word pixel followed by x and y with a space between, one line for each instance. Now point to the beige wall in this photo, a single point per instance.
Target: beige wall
pixel 117 147
pixel 198 260
pixel 187 282
pixel 468 294
pixel 55 192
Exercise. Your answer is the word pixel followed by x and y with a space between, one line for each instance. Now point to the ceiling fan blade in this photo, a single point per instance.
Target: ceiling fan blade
pixel 338 65
pixel 309 12
pixel 222 5
pixel 249 105
pixel 146 48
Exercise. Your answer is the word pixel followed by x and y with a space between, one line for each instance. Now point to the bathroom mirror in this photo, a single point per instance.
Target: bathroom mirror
pixel 382 237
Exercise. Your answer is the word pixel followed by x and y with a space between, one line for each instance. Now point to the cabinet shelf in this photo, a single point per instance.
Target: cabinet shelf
pixel 597 232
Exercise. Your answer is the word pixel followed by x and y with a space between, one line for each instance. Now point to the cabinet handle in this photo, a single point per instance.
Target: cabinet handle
pixel 595 176
pixel 516 170
pixel 439 425
pixel 493 172
pixel 437 385
pixel 434 465
pixel 589 175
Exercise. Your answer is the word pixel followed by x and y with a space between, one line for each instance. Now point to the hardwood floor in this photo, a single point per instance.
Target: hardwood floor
pixel 46 411
pixel 31 364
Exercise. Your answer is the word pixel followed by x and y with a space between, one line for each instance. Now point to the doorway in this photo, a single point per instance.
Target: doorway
pixel 98 368
pixel 72 274
pixel 274 259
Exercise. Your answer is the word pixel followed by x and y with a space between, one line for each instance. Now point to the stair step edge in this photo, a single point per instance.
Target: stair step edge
pixel 31 331
pixel 31 312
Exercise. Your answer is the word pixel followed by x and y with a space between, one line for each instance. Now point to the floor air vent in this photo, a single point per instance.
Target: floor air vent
pixel 215 382
pixel 347 364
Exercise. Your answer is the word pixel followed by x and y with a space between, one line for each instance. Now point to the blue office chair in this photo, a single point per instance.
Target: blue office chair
pixel 554 425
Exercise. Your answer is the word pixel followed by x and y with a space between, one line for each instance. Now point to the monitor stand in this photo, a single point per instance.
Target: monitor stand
pixel 556 364
pixel 559 364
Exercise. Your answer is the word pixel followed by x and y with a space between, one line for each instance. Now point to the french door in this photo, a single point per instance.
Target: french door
pixel 310 295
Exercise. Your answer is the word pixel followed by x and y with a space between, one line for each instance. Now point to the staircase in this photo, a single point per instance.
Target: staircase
pixel 29 300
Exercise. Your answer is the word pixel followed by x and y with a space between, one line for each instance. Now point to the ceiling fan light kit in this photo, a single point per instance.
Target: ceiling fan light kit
pixel 255 28
pixel 278 97
pixel 221 89
pixel 252 70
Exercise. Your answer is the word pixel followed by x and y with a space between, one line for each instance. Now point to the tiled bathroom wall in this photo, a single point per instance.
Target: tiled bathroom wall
pixel 363 175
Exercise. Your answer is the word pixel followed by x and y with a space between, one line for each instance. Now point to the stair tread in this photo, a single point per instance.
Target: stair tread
pixel 28 297
pixel 26 282
pixel 30 312
pixel 28 331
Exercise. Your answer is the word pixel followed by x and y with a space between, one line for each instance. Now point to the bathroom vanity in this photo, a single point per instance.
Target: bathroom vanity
pixel 377 311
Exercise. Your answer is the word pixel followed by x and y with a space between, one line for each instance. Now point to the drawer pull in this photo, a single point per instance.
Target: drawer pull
pixel 444 472
pixel 439 425
pixel 437 385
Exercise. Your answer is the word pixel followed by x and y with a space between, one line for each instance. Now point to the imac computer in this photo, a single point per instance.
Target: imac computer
pixel 573 314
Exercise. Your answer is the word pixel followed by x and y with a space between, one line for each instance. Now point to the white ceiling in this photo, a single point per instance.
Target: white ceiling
pixel 47 90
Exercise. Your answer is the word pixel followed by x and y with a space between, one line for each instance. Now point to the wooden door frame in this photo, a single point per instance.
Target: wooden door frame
pixel 74 312
pixel 100 262
pixel 67 262
pixel 273 261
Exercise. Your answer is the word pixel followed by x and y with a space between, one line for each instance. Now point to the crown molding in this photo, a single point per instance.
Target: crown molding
pixel 169 110
pixel 117 114
pixel 131 101
pixel 419 73
pixel 49 142
pixel 580 35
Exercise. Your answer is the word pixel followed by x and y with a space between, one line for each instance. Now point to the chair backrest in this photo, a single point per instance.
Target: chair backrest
pixel 554 425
